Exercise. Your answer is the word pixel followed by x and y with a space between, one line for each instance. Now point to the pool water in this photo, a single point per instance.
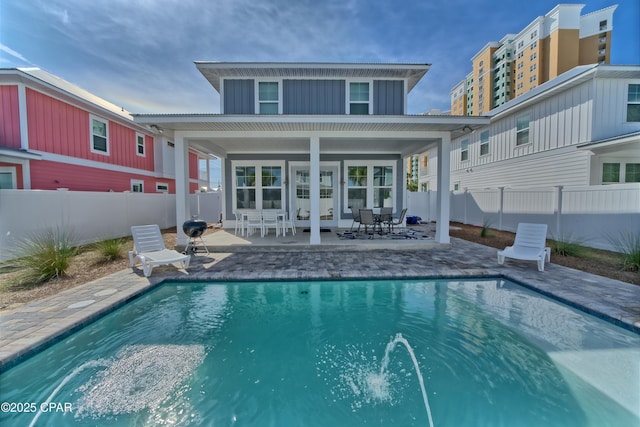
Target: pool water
pixel 482 352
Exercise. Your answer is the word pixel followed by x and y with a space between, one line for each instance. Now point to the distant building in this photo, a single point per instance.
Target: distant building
pixel 55 135
pixel 579 129
pixel 549 46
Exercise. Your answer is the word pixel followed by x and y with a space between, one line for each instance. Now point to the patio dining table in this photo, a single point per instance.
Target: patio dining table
pixel 246 213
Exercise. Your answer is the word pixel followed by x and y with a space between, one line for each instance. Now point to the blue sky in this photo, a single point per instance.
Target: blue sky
pixel 139 54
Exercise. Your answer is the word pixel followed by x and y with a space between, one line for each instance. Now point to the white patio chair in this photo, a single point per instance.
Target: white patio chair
pixel 239 226
pixel 253 222
pixel 288 223
pixel 270 220
pixel 149 249
pixel 529 245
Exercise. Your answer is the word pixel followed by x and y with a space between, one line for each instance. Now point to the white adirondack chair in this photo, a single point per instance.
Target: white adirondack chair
pixel 149 249
pixel 529 245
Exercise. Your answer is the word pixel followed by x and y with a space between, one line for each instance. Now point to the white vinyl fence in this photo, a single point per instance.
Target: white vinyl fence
pixel 90 216
pixel 590 215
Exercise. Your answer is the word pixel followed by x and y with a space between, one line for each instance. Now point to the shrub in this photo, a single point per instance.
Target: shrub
pixel 44 256
pixel 564 245
pixel 109 250
pixel 628 244
pixel 486 227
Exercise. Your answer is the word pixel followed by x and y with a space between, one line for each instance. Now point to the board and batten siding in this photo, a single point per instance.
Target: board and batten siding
pixel 60 128
pixel 239 96
pixel 9 117
pixel 610 108
pixel 388 97
pixel 313 97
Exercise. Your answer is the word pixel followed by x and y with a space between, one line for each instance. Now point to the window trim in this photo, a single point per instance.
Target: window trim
pixel 144 151
pixel 14 175
pixel 370 165
pixel 523 130
pixel 258 102
pixel 464 150
pixel 635 102
pixel 258 184
pixel 135 182
pixel 485 143
pixel 348 96
pixel 91 135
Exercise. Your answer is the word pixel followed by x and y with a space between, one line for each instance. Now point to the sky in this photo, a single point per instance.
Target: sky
pixel 139 54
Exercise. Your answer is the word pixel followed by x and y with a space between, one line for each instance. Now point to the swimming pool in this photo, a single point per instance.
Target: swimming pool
pixel 486 352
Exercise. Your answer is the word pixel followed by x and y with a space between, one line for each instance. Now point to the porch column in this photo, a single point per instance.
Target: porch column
pixel 183 210
pixel 444 178
pixel 314 190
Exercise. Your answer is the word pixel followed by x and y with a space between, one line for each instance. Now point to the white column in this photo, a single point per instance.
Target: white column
pixel 183 210
pixel 444 178
pixel 314 190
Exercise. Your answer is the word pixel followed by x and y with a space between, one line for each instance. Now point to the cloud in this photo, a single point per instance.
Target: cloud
pixel 14 54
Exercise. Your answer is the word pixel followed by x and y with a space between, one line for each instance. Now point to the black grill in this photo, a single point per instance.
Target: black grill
pixel 194 227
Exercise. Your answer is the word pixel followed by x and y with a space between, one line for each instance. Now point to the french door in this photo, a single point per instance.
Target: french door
pixel 300 195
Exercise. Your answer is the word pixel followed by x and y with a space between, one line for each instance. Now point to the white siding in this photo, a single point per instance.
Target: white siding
pixel 610 108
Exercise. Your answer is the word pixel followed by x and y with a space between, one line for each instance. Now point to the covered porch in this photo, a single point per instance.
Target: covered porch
pixel 314 168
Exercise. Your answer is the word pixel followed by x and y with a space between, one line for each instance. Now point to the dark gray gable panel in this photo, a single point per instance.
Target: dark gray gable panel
pixel 239 97
pixel 313 97
pixel 388 97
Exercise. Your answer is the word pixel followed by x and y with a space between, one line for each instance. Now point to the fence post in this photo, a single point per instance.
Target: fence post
pixel 559 211
pixel 466 194
pixel 500 206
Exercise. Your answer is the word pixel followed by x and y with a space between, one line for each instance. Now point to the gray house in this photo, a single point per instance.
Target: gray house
pixel 312 139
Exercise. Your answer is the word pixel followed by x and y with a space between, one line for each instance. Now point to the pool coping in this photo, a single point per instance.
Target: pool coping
pixel 33 327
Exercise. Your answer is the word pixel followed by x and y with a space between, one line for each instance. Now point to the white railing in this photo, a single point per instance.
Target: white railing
pixel 589 215
pixel 89 216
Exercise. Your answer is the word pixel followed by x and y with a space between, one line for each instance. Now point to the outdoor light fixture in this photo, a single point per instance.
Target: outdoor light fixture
pixel 157 128
pixel 467 128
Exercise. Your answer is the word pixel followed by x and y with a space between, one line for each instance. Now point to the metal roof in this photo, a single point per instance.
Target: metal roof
pixel 214 72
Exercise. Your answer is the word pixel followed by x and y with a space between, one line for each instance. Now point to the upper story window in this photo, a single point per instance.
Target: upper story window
pixel 603 25
pixel 484 143
pixel 268 98
pixel 633 103
pixel 140 144
pixel 464 150
pixel 359 98
pixel 99 135
pixel 522 129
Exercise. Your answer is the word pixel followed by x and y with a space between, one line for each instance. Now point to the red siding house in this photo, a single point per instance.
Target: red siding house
pixel 54 135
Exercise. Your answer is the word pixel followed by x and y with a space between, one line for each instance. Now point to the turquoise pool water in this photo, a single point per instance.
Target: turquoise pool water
pixel 488 353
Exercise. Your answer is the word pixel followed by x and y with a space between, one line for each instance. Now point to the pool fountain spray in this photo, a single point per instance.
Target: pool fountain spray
pixel 399 339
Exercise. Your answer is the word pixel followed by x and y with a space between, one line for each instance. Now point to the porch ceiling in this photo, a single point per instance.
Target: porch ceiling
pixel 225 134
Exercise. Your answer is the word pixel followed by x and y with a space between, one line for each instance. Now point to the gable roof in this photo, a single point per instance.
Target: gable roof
pixel 214 72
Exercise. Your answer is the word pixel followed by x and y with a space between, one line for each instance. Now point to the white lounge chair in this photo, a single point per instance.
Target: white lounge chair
pixel 149 249
pixel 529 245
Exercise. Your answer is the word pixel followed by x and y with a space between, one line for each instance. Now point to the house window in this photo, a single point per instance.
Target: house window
pixel 99 136
pixel 8 178
pixel 271 187
pixel 382 186
pixel 603 25
pixel 358 98
pixel 464 150
pixel 484 143
pixel 522 130
pixel 268 99
pixel 245 187
pixel 632 172
pixel 633 103
pixel 610 172
pixel 137 186
pixel 140 144
pixel 357 186
pixel 259 187
pixel 161 187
